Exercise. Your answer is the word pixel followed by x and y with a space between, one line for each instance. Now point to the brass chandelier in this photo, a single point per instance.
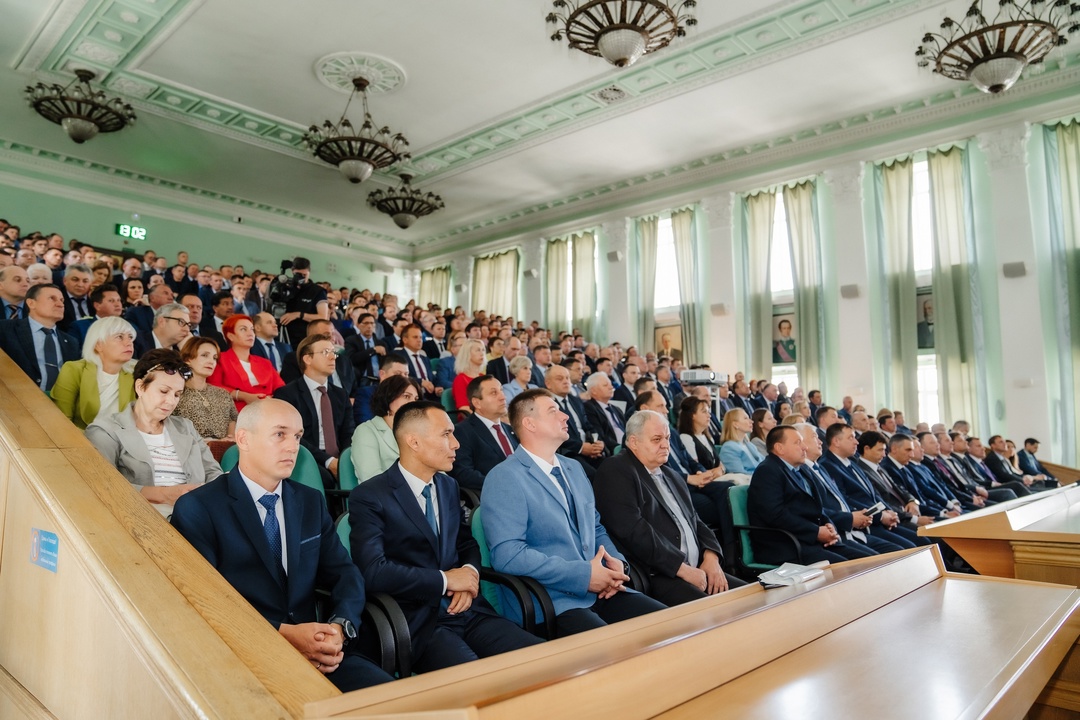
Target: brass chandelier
pixel 620 31
pixel 356 154
pixel 82 111
pixel 993 54
pixel 404 203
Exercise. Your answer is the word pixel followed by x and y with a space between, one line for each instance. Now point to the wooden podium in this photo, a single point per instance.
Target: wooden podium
pixel 890 636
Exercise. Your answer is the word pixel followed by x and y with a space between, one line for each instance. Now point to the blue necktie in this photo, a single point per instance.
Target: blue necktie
pixel 273 531
pixel 802 481
pixel 615 419
pixel 557 474
pixel 374 358
pixel 52 362
pixel 429 510
pixel 271 354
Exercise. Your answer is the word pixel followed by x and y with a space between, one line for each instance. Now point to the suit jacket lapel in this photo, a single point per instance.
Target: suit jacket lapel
pixel 448 511
pixel 547 484
pixel 485 434
pixel 386 437
pixel 248 517
pixel 404 495
pixel 294 516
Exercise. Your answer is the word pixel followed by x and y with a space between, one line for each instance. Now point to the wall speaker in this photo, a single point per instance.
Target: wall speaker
pixel 1014 269
pixel 718 309
pixel 849 292
pixel 615 256
pixel 460 288
pixel 532 273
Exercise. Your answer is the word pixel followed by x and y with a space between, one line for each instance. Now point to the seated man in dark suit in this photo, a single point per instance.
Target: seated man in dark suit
pixel 540 518
pixel 779 497
pixel 324 408
pixel 485 441
pixel 271 538
pixel 605 417
pixel 976 460
pixel 410 540
pixel 14 285
pixel 389 365
pixel 267 344
pixel 35 343
pixel 625 392
pixel 343 375
pixel 583 444
pixel 141 317
pixel 105 301
pixel 171 326
pixel 897 496
pixel 935 499
pixel 1030 465
pixel 646 508
pixel 499 368
pixel 76 295
pixel 364 350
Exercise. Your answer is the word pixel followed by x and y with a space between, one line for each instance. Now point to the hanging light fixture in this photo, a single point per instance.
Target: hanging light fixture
pixel 620 31
pixel 992 54
pixel 78 108
pixel 356 154
pixel 404 203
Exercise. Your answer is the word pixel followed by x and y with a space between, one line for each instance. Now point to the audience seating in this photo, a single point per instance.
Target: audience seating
pixel 745 564
pixel 305 472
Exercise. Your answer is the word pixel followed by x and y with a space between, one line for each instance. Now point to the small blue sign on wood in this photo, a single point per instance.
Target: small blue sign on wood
pixel 44 548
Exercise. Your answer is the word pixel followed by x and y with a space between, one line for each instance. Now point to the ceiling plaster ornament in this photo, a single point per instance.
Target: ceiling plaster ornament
pixel 337 71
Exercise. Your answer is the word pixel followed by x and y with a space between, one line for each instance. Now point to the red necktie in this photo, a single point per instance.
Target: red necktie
pixel 419 367
pixel 327 412
pixel 502 439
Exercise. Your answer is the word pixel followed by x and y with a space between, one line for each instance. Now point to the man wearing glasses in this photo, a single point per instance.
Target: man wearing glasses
pixel 171 327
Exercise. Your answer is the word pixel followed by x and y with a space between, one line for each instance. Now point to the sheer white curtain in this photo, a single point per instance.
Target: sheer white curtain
pixel 894 186
pixel 495 283
pixel 435 286
pixel 557 272
pixel 584 300
pixel 647 231
pixel 806 272
pixel 954 287
pixel 759 210
pixel 682 230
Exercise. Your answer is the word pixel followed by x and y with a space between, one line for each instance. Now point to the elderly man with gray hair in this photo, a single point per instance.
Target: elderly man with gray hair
pixel 647 510
pixel 172 325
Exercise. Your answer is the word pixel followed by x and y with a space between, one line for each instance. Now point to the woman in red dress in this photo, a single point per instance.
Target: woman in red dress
pixel 244 376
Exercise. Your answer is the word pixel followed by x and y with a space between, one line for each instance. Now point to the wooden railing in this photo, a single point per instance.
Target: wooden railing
pixel 131 622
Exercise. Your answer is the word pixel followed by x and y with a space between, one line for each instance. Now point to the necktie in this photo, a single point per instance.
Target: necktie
pixel 504 443
pixel 429 510
pixel 617 424
pixel 273 531
pixel 13 312
pixel 802 482
pixel 419 367
pixel 368 345
pixel 271 353
pixel 52 362
pixel 557 474
pixel 327 412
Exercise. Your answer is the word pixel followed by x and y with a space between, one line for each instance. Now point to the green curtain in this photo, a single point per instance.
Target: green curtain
pixel 799 204
pixel 557 279
pixel 584 281
pixel 682 229
pixel 759 210
pixel 647 232
pixel 954 284
pixel 893 184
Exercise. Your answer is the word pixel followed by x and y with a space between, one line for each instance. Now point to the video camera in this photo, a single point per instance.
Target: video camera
pixel 284 288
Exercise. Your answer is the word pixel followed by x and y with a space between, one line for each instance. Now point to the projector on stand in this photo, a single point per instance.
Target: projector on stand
pixel 702 377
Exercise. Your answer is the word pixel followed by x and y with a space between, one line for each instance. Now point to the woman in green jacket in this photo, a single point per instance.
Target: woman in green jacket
pixel 98 385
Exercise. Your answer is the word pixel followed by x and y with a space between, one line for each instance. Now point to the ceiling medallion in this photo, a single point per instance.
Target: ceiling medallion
pixel 356 154
pixel 993 54
pixel 82 111
pixel 404 203
pixel 337 70
pixel 620 31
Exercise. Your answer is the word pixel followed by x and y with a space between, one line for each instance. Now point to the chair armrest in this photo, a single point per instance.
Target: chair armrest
pixel 521 594
pixel 794 540
pixel 639 580
pixel 470 497
pixel 400 629
pixel 546 606
pixel 387 646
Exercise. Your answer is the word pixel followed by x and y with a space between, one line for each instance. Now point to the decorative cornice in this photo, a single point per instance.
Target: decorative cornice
pixel 718 209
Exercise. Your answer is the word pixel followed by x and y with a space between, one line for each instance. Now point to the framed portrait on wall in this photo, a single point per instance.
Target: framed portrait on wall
pixel 924 312
pixel 668 341
pixel 784 343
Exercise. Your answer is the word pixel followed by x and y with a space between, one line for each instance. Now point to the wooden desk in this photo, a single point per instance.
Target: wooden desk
pixel 816 651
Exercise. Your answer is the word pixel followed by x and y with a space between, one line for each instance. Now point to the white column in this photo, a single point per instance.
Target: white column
pixel 617 309
pixel 722 337
pixel 532 279
pixel 1010 238
pixel 849 351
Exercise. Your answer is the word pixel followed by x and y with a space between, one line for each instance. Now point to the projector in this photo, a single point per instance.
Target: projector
pixel 702 377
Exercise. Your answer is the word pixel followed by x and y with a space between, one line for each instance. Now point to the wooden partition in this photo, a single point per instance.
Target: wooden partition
pixel 890 636
pixel 106 611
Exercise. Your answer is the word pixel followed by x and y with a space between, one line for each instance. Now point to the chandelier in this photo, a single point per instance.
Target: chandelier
pixel 80 110
pixel 620 31
pixel 356 154
pixel 404 203
pixel 993 54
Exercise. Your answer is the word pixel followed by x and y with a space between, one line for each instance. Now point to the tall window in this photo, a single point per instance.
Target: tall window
pixel 571 281
pixel 782 283
pixel 667 272
pixel 922 238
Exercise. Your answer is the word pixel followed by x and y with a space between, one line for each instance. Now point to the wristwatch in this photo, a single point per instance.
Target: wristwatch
pixel 347 628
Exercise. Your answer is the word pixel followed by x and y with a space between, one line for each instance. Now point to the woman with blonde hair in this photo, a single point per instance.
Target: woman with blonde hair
pixel 737 453
pixel 98 385
pixel 469 364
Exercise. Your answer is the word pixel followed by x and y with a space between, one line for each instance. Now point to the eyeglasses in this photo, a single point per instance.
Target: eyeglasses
pixel 326 352
pixel 183 371
pixel 183 323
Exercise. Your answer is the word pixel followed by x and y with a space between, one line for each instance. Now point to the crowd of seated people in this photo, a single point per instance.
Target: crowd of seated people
pixel 585 457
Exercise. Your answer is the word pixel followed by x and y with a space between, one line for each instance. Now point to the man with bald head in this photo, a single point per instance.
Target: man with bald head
pixel 14 285
pixel 271 538
pixel 409 538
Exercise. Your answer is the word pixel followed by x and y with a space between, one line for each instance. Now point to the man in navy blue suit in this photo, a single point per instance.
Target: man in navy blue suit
pixel 271 538
pixel 540 518
pixel 583 443
pixel 35 343
pixel 409 539
pixel 267 344
pixel 1029 464
pixel 485 441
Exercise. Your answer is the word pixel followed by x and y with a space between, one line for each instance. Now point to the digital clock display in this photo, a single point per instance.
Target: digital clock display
pixel 131 231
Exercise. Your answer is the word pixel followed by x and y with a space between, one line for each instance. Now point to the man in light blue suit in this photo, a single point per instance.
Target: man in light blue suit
pixel 540 520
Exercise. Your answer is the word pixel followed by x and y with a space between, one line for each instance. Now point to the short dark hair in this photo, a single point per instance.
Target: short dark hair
pixel 390 359
pixel 219 296
pixel 989 441
pixel 822 409
pixel 641 382
pixel 776 436
pixel 921 435
pixel 97 295
pixel 687 408
pixel 1031 441
pixel 301 263
pixel 812 393
pixel 303 349
pixel 643 399
pixel 473 390
pixel 523 404
pixel 898 438
pixel 390 390
pixel 834 431
pixel 870 439
pixel 35 290
pixel 411 412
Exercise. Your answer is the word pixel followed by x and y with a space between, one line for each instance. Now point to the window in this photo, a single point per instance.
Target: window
pixel 667 270
pixel 922 239
pixel 780 276
pixel 928 389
